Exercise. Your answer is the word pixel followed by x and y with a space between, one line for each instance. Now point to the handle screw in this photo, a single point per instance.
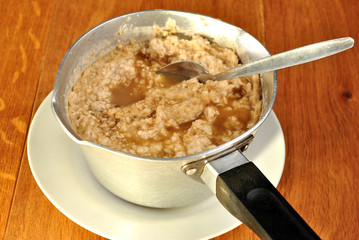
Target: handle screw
pixel 191 171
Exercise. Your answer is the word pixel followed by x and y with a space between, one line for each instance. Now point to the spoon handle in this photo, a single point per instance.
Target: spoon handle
pixel 289 58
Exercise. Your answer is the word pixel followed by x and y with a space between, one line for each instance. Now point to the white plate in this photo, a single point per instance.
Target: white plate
pixel 61 172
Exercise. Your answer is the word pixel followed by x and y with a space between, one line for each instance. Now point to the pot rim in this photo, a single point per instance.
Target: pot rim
pixel 223 148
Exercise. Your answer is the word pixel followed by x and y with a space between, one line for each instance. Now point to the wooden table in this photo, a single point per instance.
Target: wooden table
pixel 317 103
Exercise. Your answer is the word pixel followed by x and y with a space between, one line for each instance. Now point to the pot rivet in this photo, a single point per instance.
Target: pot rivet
pixel 244 148
pixel 191 171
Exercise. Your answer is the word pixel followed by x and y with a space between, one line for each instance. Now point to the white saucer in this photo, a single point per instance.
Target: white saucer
pixel 61 172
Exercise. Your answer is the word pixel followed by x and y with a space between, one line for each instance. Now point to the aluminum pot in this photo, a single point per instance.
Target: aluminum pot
pixel 175 182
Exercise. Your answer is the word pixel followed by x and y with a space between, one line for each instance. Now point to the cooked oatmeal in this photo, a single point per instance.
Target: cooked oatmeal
pixel 120 102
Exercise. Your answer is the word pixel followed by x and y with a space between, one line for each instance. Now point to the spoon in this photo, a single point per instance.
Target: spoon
pixel 188 69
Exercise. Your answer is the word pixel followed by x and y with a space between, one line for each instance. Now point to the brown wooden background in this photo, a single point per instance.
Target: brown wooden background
pixel 317 103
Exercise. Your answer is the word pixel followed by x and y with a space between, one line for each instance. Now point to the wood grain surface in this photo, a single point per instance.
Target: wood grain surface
pixel 317 103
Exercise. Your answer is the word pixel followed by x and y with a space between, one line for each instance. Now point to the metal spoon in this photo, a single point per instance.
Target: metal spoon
pixel 188 69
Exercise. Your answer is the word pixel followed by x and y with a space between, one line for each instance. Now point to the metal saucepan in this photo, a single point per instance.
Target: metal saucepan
pixel 173 182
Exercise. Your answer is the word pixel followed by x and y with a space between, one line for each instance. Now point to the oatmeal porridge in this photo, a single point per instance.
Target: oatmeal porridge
pixel 119 101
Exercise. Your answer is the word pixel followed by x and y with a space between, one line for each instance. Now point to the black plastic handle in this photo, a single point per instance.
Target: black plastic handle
pixel 246 193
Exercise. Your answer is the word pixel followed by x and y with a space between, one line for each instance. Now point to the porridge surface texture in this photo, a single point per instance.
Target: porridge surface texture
pixel 119 101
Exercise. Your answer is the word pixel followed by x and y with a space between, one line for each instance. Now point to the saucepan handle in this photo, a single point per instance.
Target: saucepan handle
pixel 249 196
